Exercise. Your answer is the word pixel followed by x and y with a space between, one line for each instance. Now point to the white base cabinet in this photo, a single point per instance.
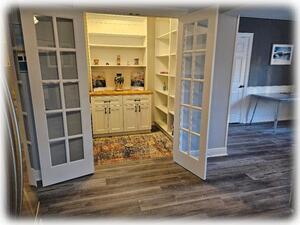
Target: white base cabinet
pixel 117 114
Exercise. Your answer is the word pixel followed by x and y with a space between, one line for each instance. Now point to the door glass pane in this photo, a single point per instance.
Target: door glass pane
pixel 188 43
pixel 188 29
pixel 196 121
pixel 52 96
pixel 71 91
pixel 74 123
pixel 58 153
pixel 76 149
pixel 184 117
pixel 44 31
pixel 199 66
pixel 48 65
pixel 185 88
pixel 187 66
pixel 200 41
pixel 197 93
pixel 68 65
pixel 202 26
pixel 65 33
pixel 184 141
pixel 55 125
pixel 195 146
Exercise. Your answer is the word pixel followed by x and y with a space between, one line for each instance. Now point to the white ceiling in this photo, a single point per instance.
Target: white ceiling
pixel 282 13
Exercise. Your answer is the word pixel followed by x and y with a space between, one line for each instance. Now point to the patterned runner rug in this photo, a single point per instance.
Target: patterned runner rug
pixel 132 147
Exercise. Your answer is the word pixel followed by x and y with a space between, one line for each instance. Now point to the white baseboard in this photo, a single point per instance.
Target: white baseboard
pixel 215 152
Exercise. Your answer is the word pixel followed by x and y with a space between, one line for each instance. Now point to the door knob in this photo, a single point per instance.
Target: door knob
pixel 241 86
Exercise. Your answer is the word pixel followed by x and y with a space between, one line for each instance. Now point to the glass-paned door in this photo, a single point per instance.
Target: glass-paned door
pixel 196 48
pixel 58 76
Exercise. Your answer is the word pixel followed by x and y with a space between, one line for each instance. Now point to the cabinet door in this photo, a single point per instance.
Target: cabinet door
pixel 144 112
pixel 100 119
pixel 130 117
pixel 115 118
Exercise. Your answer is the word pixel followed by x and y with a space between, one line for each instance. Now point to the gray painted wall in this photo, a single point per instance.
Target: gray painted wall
pixel 226 34
pixel 266 33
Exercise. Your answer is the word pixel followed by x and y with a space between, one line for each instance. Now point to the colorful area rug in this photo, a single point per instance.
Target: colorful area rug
pixel 132 147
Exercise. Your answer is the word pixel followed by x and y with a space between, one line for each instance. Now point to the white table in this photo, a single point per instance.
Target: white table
pixel 275 97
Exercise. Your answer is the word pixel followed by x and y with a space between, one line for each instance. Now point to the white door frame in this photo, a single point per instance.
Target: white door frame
pixel 196 166
pixel 71 169
pixel 244 103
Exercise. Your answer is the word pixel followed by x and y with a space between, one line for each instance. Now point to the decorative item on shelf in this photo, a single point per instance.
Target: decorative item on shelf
pixel 119 81
pixel 99 81
pixel 136 61
pixel 163 72
pixel 107 64
pixel 137 80
pixel 118 60
pixel 96 61
pixel 165 86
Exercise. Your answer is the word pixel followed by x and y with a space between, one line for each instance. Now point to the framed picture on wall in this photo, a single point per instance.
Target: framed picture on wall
pixel 281 54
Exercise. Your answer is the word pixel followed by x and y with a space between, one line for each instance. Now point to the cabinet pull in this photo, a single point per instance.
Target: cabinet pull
pixel 105 110
pixel 139 108
pixel 109 111
pixel 135 108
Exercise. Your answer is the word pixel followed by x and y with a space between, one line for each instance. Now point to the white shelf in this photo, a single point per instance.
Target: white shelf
pixel 162 124
pixel 118 35
pixel 162 108
pixel 162 92
pixel 164 36
pixel 171 112
pixel 165 60
pixel 115 46
pixel 163 55
pixel 117 66
pixel 162 74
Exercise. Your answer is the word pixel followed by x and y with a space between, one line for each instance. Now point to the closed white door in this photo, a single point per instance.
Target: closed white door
pixel 130 117
pixel 55 49
pixel 241 65
pixel 196 48
pixel 115 118
pixel 144 116
pixel 100 119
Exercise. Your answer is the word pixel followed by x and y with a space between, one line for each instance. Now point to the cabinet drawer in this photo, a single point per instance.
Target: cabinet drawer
pixel 113 100
pixel 132 99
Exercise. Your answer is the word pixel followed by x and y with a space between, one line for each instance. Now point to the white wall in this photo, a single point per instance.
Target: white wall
pixel 226 33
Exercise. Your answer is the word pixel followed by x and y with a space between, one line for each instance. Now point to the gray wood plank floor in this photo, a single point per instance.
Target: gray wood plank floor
pixel 253 181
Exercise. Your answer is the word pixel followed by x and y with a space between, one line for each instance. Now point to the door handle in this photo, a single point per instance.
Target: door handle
pixel 139 108
pixel 109 110
pixel 241 86
pixel 105 110
pixel 135 108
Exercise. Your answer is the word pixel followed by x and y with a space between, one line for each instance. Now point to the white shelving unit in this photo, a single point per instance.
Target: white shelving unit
pixel 111 35
pixel 165 72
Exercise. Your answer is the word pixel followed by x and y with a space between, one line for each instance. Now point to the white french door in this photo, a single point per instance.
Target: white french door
pixel 55 50
pixel 196 47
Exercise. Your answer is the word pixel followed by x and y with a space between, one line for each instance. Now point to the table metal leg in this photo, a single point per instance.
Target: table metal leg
pixel 254 110
pixel 276 116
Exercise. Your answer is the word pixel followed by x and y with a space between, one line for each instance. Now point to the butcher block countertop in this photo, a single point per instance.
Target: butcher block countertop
pixel 123 92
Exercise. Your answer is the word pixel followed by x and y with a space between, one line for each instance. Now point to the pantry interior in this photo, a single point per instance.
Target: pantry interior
pixel 141 50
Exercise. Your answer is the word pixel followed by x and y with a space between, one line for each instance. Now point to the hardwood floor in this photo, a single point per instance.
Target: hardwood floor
pixel 254 180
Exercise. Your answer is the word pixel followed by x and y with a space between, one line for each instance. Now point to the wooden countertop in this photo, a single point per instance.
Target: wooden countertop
pixel 124 92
